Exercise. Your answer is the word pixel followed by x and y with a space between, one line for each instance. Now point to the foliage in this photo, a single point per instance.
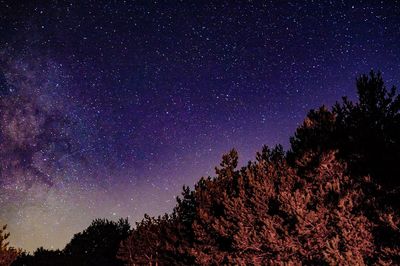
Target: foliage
pixel 366 133
pixel 267 213
pixel 7 254
pixel 315 205
pixel 97 245
pixel 43 257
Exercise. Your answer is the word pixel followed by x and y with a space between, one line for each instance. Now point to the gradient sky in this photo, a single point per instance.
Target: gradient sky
pixel 154 92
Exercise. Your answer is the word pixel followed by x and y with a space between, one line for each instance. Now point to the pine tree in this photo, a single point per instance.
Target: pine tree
pixel 366 135
pixel 331 200
pixel 268 213
pixel 7 254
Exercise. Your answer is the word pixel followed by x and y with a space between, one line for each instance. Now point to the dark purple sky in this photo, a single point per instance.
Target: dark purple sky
pixel 156 92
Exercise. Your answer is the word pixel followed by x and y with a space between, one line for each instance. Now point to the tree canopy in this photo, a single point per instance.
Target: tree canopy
pixel 97 245
pixel 329 200
pixel 7 254
pixel 365 133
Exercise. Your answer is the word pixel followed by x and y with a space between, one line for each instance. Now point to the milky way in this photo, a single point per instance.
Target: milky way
pixel 109 108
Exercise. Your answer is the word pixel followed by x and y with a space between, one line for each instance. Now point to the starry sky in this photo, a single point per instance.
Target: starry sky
pixel 107 108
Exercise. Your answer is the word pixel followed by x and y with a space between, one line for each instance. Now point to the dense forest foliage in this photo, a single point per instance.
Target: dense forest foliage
pixel 7 254
pixel 331 199
pixel 96 245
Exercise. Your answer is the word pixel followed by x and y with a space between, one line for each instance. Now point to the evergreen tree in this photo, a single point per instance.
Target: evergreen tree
pixel 7 254
pixel 269 213
pixel 366 135
pixel 98 244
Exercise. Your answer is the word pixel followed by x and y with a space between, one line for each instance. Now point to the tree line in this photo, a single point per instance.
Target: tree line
pixel 331 199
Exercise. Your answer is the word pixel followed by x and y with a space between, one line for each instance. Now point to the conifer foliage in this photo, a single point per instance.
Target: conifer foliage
pixel 366 133
pixel 266 213
pixel 7 254
pixel 329 201
pixel 97 245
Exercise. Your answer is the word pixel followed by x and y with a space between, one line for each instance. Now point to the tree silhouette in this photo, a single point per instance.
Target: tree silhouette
pixel 366 133
pixel 7 254
pixel 144 241
pixel 43 257
pixel 97 245
pixel 330 200
pixel 372 128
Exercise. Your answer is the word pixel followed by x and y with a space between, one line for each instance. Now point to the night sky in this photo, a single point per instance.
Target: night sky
pixel 145 97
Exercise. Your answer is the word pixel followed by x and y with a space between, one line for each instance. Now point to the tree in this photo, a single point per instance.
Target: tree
pixel 366 134
pixel 98 244
pixel 7 254
pixel 370 130
pixel 270 215
pixel 43 257
pixel 165 240
pixel 143 244
pixel 268 212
